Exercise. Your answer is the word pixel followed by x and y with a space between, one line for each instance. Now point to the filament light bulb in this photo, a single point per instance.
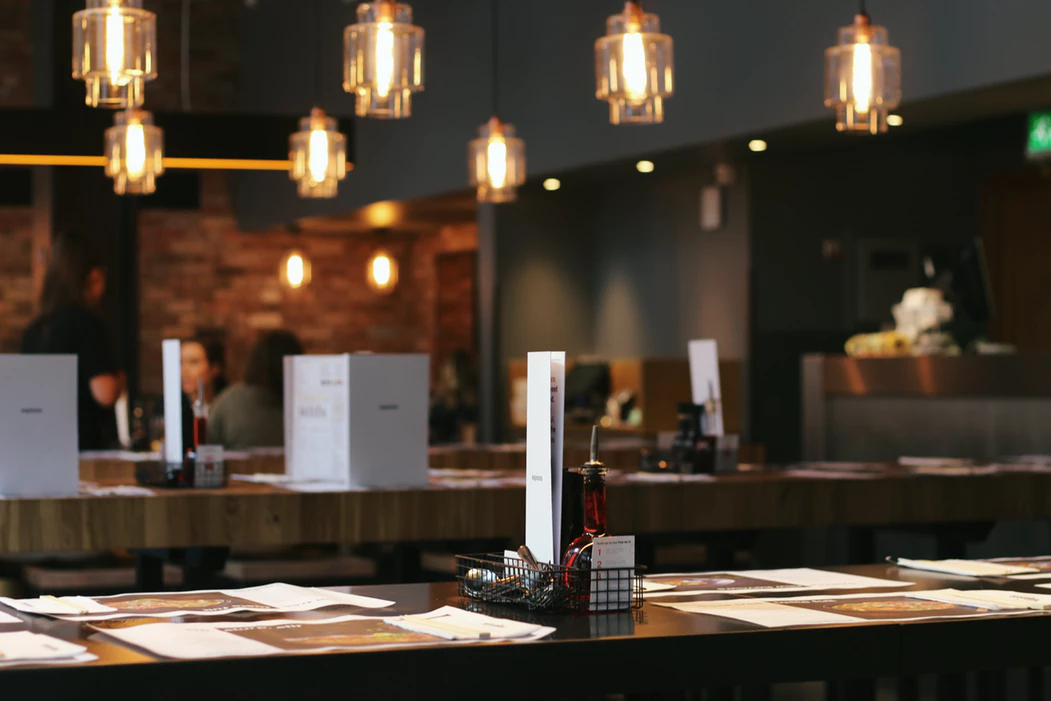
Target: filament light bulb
pixel 135 151
pixel 318 158
pixel 634 66
pixel 496 161
pixel 115 46
pixel 294 270
pixel 384 59
pixel 381 270
pixel 862 77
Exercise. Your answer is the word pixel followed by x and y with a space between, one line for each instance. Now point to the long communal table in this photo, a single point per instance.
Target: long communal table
pixel 653 650
pixel 263 515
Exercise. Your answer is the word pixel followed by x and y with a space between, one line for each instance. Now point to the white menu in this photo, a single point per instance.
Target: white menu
pixel 704 379
pixel 544 426
pixel 172 363
pixel 320 396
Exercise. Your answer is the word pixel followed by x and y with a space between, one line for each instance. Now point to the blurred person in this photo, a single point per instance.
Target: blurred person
pixel 454 407
pixel 69 323
pixel 203 360
pixel 251 414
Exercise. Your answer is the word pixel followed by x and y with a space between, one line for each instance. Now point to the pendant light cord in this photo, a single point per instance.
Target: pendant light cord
pixel 861 8
pixel 494 4
pixel 315 7
pixel 184 56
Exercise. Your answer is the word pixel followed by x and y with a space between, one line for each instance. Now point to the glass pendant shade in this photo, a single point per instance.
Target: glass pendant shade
pixel 295 270
pixel 383 60
pixel 113 52
pixel 634 69
pixel 862 77
pixel 134 152
pixel 496 162
pixel 382 273
pixel 318 153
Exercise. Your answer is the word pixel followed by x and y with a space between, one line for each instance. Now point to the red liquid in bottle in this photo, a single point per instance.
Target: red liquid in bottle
pixel 200 430
pixel 578 552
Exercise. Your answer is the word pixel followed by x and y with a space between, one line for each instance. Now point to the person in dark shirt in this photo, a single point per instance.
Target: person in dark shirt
pixel 67 324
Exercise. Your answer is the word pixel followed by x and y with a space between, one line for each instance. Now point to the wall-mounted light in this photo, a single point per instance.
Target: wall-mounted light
pixel 894 120
pixel 318 155
pixel 552 184
pixel 862 76
pixel 295 270
pixel 383 60
pixel 757 145
pixel 134 152
pixel 633 67
pixel 644 166
pixel 113 52
pixel 382 272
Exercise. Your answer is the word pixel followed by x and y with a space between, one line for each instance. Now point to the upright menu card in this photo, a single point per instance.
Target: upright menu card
pixel 172 363
pixel 544 420
pixel 704 380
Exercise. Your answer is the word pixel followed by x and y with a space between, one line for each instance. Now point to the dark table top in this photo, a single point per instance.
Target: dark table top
pixel 654 649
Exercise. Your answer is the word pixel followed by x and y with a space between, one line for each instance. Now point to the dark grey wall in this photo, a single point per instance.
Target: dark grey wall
pixel 922 187
pixel 742 67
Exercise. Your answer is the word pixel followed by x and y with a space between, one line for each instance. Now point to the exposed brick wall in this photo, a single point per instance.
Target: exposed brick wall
pixel 16 54
pixel 199 272
pixel 17 303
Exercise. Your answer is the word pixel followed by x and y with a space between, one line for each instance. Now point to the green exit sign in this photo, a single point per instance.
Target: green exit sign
pixel 1039 142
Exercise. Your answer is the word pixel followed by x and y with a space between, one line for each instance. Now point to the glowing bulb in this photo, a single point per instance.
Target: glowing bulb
pixel 757 145
pixel 135 151
pixel 644 166
pixel 862 77
pixel 384 59
pixel 114 45
pixel 894 120
pixel 552 184
pixel 381 270
pixel 317 159
pixel 294 270
pixel 634 66
pixel 496 161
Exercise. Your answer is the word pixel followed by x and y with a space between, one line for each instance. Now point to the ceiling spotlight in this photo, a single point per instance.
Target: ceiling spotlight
pixel 757 145
pixel 644 166
pixel 894 120
pixel 552 184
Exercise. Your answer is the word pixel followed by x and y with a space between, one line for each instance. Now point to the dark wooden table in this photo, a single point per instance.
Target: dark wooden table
pixel 655 650
pixel 259 515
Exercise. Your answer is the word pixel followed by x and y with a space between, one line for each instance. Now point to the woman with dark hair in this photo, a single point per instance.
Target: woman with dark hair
pixel 203 361
pixel 74 283
pixel 251 414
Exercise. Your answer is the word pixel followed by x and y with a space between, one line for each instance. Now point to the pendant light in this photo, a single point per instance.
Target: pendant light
pixel 134 152
pixel 862 76
pixel 633 67
pixel 496 159
pixel 113 52
pixel 383 60
pixel 318 151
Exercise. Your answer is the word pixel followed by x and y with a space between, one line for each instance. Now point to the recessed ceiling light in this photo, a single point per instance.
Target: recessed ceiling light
pixel 894 120
pixel 757 145
pixel 644 166
pixel 552 184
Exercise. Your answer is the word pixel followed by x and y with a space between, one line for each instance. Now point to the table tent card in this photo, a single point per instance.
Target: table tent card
pixel 544 434
pixel 444 626
pixel 171 361
pixel 357 420
pixel 684 587
pixel 38 426
pixel 270 598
